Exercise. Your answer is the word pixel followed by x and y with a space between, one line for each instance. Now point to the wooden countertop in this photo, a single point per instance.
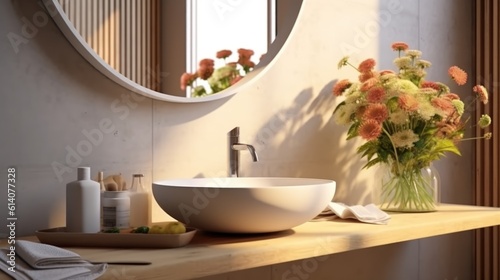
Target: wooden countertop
pixel 210 254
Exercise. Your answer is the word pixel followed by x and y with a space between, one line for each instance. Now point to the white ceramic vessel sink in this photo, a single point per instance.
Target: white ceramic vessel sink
pixel 244 204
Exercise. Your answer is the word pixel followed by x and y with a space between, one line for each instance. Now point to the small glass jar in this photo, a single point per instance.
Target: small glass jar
pixel 115 210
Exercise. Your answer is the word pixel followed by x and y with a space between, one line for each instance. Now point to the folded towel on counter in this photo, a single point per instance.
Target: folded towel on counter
pixel 42 261
pixel 367 214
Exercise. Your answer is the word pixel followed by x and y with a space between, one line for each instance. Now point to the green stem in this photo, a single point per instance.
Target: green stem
pixel 395 150
pixel 408 191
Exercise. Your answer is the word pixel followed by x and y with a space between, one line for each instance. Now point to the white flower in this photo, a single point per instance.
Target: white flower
pixel 343 114
pixel 402 62
pixel 414 53
pixel 404 139
pixel 399 117
pixel 425 109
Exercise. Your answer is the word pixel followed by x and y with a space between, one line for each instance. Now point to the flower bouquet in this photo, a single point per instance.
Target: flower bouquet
pixel 407 122
pixel 220 78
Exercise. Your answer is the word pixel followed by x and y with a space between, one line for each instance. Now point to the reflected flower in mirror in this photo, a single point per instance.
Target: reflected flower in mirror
pixel 209 80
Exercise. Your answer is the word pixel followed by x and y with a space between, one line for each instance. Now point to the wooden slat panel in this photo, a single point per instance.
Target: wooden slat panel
pixel 487 153
pixel 124 33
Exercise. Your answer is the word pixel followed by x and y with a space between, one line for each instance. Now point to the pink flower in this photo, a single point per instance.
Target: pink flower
pixel 408 103
pixel 370 130
pixel 366 65
pixel 377 112
pixel 458 75
pixel 341 86
pixel 375 94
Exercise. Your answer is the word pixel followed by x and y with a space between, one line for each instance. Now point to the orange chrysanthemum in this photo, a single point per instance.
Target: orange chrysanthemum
pixel 359 113
pixel 245 53
pixel 444 104
pixel 408 103
pixel 363 77
pixel 375 94
pixel 223 53
pixel 386 72
pixel 206 68
pixel 187 79
pixel 341 86
pixel 377 112
pixel 368 84
pixel 366 65
pixel 481 92
pixel 447 130
pixel 451 96
pixel 399 46
pixel 246 63
pixel 370 130
pixel 429 84
pixel 458 75
pixel 206 62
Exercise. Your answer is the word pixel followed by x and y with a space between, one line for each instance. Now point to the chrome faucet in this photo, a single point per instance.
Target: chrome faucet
pixel 234 151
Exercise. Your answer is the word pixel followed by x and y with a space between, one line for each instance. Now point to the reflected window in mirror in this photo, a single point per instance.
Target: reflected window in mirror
pixel 147 45
pixel 225 39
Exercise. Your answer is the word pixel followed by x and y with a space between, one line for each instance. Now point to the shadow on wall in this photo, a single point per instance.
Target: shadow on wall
pixel 303 141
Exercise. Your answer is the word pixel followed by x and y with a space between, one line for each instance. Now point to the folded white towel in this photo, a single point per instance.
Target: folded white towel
pixel 42 261
pixel 367 214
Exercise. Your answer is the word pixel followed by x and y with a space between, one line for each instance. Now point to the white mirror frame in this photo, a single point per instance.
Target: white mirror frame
pixel 74 37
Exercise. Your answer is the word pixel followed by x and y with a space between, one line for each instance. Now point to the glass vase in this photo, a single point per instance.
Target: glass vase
pixel 409 189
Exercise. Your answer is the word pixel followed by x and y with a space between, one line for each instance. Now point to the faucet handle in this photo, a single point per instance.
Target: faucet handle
pixel 235 132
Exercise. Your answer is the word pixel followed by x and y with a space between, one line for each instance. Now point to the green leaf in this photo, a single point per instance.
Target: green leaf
pixel 338 106
pixel 353 130
pixel 369 149
pixel 372 163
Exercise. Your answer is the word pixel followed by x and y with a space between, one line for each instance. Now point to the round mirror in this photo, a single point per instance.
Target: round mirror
pixel 147 46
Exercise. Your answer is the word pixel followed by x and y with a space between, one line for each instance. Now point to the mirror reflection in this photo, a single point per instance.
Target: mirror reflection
pixel 164 45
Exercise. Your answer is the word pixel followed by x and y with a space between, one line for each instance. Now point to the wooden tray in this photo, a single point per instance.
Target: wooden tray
pixel 59 237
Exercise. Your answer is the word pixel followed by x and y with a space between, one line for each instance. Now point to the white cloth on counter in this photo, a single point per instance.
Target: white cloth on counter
pixel 43 261
pixel 367 214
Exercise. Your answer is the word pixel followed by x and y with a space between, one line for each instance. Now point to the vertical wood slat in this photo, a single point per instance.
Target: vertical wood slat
pixel 122 32
pixel 487 153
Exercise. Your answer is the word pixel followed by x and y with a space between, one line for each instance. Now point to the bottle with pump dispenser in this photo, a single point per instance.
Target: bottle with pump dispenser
pixel 83 203
pixel 140 203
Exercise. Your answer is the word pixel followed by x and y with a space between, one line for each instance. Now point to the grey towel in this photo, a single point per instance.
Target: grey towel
pixel 42 261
